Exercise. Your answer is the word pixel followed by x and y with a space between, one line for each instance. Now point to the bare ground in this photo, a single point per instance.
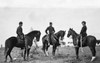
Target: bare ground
pixel 65 55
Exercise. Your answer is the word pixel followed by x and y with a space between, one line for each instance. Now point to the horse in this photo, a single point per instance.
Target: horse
pixel 12 42
pixel 90 42
pixel 55 42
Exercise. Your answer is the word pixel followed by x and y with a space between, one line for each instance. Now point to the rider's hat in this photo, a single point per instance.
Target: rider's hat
pixel 20 22
pixel 50 22
pixel 84 22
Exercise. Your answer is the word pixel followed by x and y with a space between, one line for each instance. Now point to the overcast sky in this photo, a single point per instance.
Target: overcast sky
pixel 37 14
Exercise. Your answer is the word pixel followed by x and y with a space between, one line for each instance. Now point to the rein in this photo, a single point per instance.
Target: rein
pixel 75 35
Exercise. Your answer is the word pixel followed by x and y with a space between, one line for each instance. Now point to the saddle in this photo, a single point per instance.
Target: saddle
pixel 53 38
pixel 20 39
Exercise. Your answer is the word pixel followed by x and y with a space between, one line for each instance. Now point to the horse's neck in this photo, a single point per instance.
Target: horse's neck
pixel 74 35
pixel 57 35
pixel 30 37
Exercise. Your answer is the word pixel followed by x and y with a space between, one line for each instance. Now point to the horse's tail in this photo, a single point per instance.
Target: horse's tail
pixel 43 43
pixel 97 41
pixel 5 48
pixel 9 44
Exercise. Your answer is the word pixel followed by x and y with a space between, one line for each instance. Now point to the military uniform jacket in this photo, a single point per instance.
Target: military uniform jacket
pixel 83 31
pixel 50 29
pixel 19 31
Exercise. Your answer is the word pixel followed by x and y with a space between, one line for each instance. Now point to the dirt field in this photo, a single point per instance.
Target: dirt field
pixel 65 55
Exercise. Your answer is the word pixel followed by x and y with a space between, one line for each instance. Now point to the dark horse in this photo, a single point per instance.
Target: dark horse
pixel 55 42
pixel 90 42
pixel 12 42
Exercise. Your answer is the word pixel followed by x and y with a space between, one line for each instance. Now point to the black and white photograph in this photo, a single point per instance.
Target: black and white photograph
pixel 49 31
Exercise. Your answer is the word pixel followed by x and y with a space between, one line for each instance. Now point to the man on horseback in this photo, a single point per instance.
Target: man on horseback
pixel 20 33
pixel 83 31
pixel 51 32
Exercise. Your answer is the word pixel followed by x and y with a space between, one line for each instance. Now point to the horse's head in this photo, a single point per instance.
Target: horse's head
pixel 74 35
pixel 35 34
pixel 62 34
pixel 69 32
pixel 38 34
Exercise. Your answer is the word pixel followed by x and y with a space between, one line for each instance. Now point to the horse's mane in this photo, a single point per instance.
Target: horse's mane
pixel 73 31
pixel 33 32
pixel 58 32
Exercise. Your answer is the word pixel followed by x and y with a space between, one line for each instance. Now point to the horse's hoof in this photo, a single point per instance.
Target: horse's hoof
pixel 5 61
pixel 27 59
pixel 14 58
pixel 93 58
pixel 11 61
pixel 53 54
pixel 24 59
pixel 77 58
pixel 31 56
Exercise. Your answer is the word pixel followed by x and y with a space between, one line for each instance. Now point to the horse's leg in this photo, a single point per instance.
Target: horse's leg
pixel 36 44
pixel 24 55
pixel 6 54
pixel 58 49
pixel 6 57
pixel 43 48
pixel 46 50
pixel 21 52
pixel 77 51
pixel 54 49
pixel 10 58
pixel 93 53
pixel 28 50
pixel 10 49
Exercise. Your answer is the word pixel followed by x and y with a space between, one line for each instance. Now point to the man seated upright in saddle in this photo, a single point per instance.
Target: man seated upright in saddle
pixel 83 31
pixel 20 33
pixel 50 31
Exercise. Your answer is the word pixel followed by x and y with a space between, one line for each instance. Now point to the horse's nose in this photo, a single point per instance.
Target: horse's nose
pixel 38 39
pixel 67 35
